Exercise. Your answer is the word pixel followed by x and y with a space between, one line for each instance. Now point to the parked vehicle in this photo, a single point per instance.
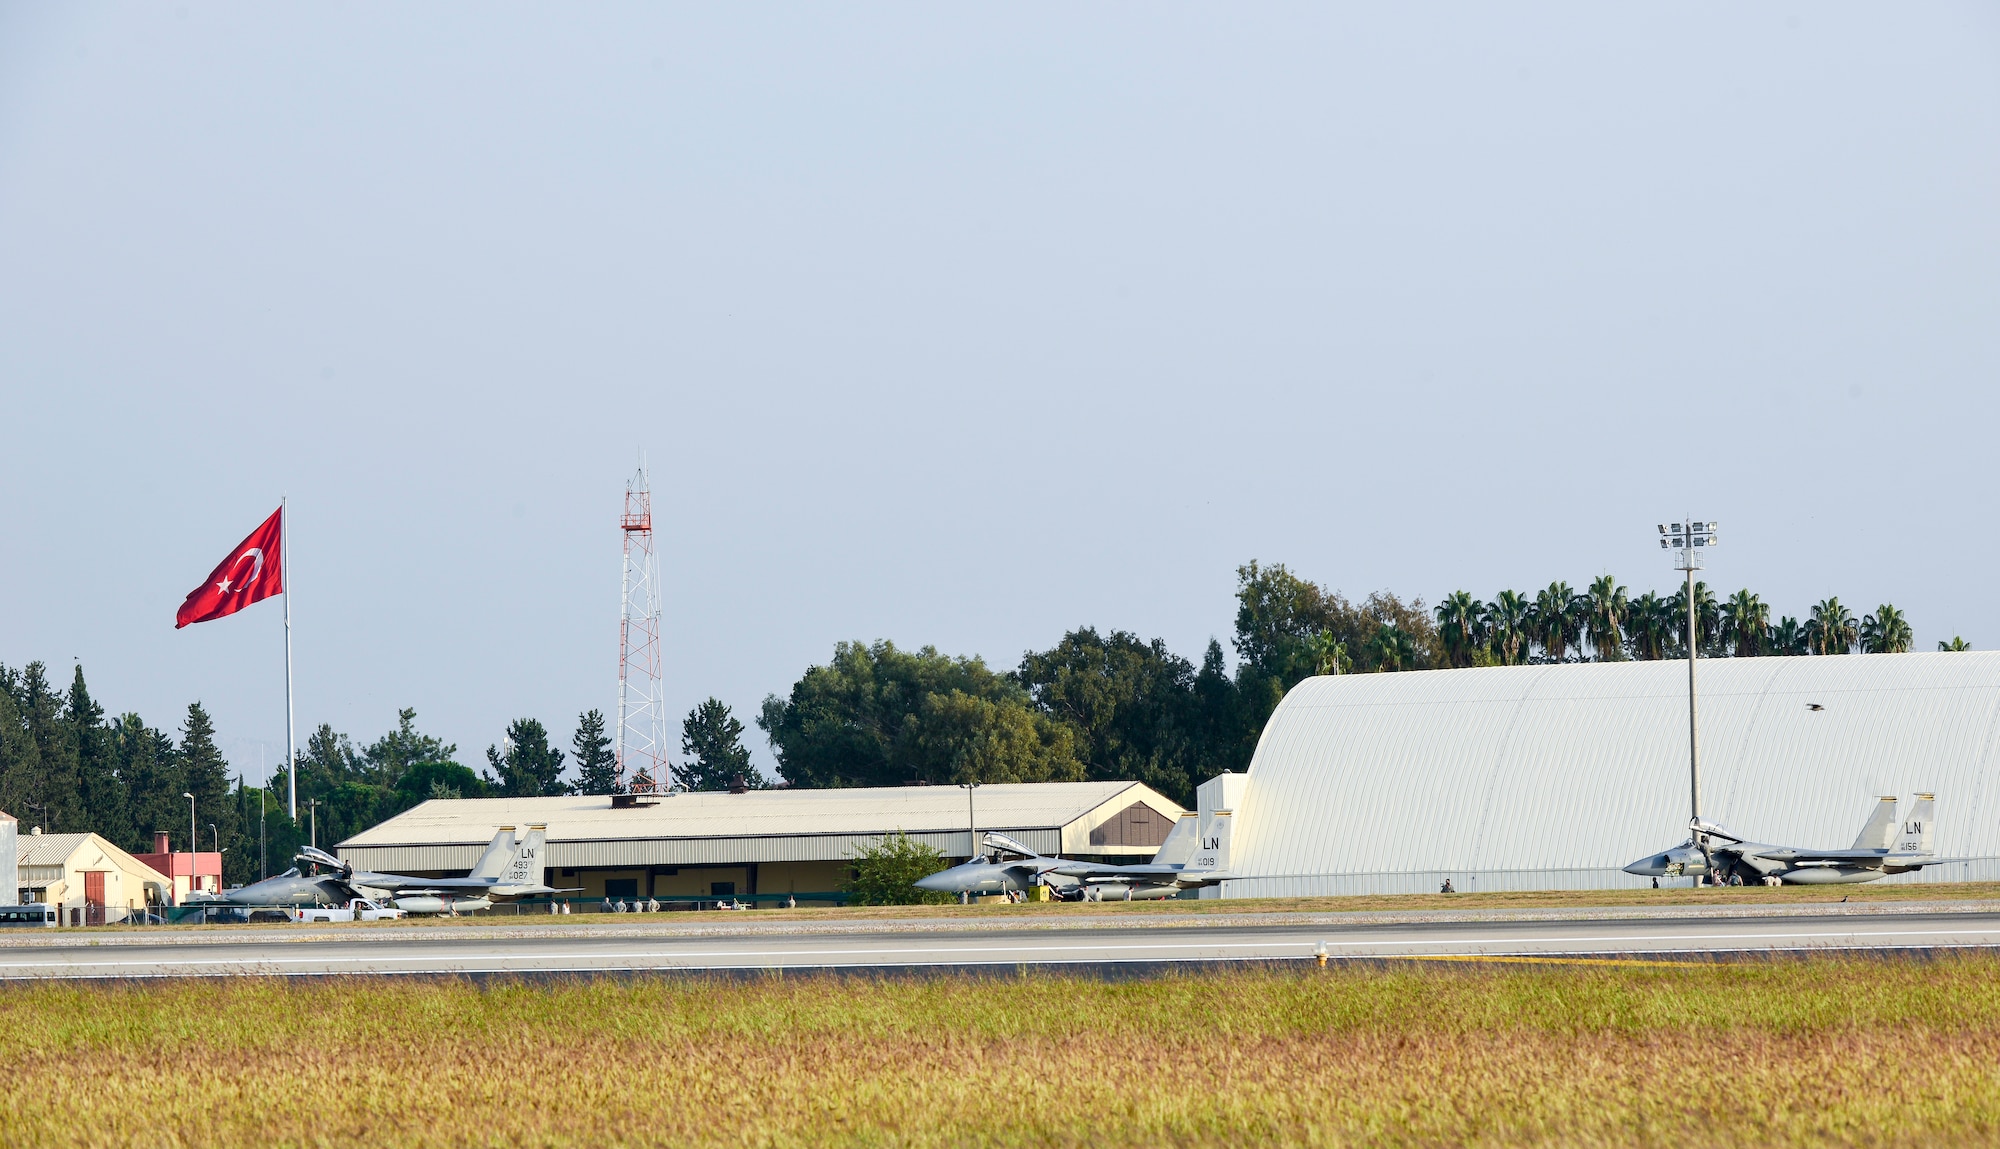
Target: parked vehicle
pixel 38 914
pixel 360 909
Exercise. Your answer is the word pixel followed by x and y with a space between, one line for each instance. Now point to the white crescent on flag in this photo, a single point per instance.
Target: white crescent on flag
pixel 253 552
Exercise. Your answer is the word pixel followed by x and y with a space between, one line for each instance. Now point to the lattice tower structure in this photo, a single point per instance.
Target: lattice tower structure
pixel 642 706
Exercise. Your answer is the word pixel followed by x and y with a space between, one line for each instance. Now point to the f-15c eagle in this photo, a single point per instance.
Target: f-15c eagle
pixel 1185 861
pixel 1884 847
pixel 509 869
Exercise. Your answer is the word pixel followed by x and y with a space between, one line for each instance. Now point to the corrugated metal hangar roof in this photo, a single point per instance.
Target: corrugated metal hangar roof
pixel 713 827
pixel 1557 776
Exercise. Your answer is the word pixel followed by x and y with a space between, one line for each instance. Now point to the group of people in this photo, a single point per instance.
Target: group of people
pixel 652 905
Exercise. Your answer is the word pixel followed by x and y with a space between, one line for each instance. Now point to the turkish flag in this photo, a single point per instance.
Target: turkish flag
pixel 253 571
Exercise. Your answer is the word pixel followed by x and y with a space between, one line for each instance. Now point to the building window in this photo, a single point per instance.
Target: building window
pixel 621 887
pixel 722 889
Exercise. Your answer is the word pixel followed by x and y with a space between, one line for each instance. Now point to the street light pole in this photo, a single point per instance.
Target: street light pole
pixel 194 843
pixel 1689 541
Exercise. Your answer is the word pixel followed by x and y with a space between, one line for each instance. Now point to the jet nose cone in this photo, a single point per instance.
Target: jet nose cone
pixel 934 882
pixel 1652 867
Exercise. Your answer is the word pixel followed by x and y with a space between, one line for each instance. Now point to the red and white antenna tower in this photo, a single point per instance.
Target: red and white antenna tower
pixel 642 704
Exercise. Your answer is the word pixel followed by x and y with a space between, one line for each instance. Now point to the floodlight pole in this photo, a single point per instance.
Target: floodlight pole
pixel 971 821
pixel 1688 539
pixel 1694 727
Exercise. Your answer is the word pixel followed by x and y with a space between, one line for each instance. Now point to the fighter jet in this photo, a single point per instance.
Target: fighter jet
pixel 507 870
pixel 287 889
pixel 994 876
pixel 1181 863
pixel 1712 852
pixel 1173 869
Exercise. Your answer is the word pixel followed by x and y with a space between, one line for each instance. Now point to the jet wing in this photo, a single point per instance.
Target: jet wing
pixel 1108 870
pixel 409 885
pixel 1806 857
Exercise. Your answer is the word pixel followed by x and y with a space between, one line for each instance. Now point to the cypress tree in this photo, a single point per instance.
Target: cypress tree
pixel 205 774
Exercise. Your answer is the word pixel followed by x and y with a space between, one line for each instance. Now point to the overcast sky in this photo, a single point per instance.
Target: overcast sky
pixel 963 325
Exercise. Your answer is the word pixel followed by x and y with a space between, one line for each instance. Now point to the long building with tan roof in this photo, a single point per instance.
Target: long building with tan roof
pixel 762 842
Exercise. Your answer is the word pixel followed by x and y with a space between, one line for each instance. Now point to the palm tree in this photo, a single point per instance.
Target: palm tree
pixel 1506 625
pixel 1831 628
pixel 1556 621
pixel 1460 627
pixel 1650 623
pixel 1746 623
pixel 1708 619
pixel 1329 654
pixel 1392 647
pixel 1605 614
pixel 1956 643
pixel 1886 632
pixel 1788 637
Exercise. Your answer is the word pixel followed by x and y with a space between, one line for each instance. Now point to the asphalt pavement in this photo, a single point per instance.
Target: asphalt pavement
pixel 1109 943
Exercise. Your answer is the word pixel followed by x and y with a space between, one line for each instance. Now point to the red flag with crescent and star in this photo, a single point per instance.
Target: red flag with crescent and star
pixel 253 571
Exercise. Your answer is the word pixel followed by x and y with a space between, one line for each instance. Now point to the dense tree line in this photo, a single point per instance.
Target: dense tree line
pixel 1605 623
pixel 1115 706
pixel 1096 705
pixel 66 768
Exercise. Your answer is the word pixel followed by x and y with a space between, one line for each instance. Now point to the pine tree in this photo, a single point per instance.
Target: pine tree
pixel 44 786
pixel 103 797
pixel 596 765
pixel 531 767
pixel 20 760
pixel 149 770
pixel 712 750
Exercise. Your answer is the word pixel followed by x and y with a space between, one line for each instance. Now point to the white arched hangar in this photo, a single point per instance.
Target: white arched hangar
pixel 1555 777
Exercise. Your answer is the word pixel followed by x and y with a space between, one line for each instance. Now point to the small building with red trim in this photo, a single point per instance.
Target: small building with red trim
pixel 196 871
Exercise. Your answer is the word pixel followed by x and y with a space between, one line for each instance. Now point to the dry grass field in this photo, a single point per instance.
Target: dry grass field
pixel 1822 1052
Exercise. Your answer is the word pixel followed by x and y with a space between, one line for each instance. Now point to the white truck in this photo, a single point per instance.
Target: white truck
pixel 358 910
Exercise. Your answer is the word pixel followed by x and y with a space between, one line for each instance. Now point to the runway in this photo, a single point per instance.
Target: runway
pixel 1098 944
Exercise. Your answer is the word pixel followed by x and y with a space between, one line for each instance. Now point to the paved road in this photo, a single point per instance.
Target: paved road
pixel 969 944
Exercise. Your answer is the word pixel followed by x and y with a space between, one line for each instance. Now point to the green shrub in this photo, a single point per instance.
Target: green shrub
pixel 883 874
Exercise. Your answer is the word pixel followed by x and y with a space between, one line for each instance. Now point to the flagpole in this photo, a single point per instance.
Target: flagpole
pixel 291 743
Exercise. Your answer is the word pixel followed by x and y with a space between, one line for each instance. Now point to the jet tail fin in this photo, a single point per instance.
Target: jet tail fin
pixel 1919 829
pixel 1212 852
pixel 1180 842
pixel 524 868
pixel 498 853
pixel 1881 827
